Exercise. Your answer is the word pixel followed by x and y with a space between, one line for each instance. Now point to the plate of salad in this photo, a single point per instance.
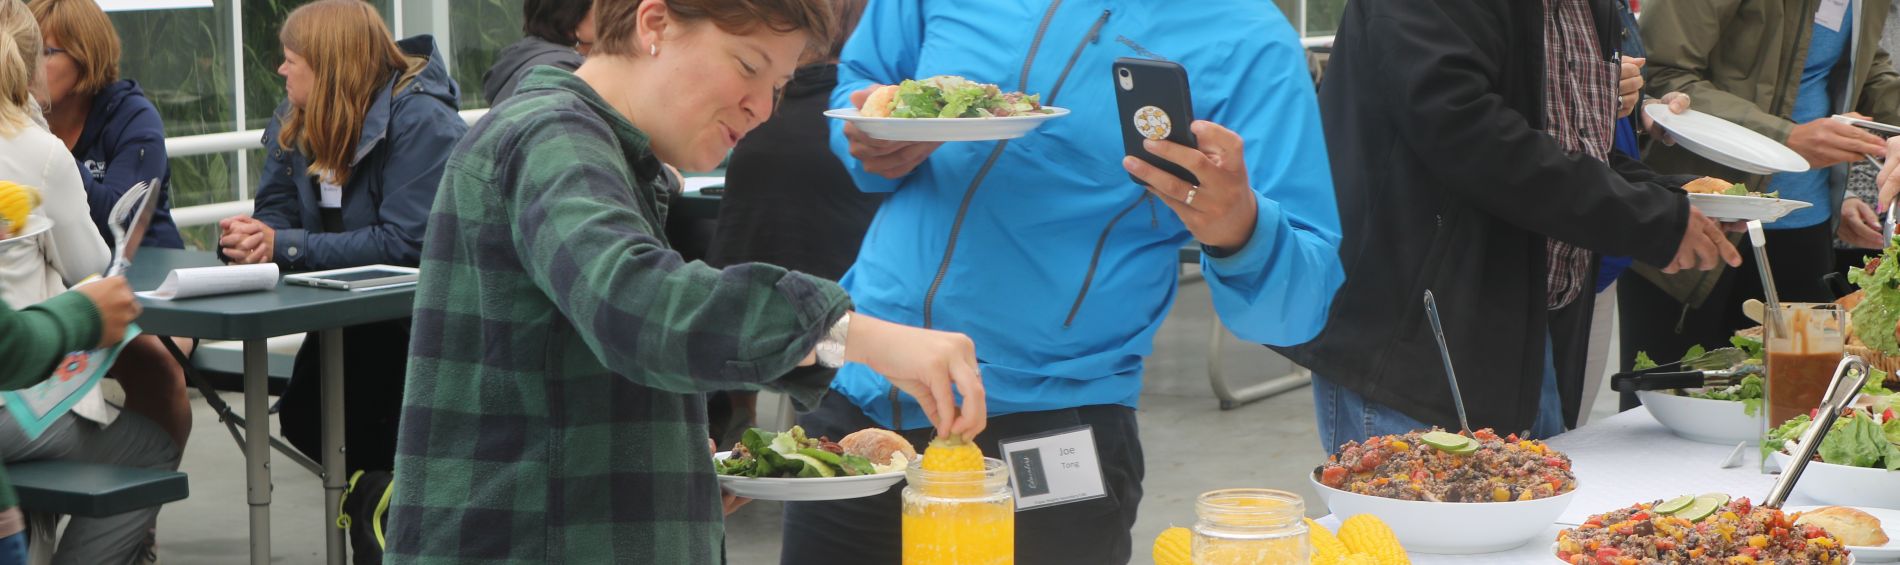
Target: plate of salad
pixel 947 108
pixel 1731 202
pixel 1858 462
pixel 790 466
pixel 1726 415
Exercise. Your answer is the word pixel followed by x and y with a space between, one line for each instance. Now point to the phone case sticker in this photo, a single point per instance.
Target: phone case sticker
pixel 1153 123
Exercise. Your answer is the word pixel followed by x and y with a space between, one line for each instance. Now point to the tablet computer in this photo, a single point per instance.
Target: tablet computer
pixel 356 278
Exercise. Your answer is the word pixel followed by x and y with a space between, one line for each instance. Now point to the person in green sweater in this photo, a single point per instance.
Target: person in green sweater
pixel 33 340
pixel 555 409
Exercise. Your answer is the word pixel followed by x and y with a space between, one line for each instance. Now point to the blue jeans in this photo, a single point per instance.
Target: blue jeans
pixel 1345 416
pixel 13 549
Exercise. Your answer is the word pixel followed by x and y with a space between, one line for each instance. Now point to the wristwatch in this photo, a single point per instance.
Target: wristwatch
pixel 830 349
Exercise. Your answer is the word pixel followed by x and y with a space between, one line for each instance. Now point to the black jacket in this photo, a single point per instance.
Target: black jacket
pixel 1433 111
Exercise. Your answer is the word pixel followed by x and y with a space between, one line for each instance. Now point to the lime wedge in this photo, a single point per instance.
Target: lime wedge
pixel 813 463
pixel 1703 507
pixel 1449 442
pixel 1674 505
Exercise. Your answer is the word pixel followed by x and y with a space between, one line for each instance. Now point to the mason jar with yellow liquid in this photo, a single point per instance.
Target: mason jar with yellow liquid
pixel 1250 526
pixel 959 517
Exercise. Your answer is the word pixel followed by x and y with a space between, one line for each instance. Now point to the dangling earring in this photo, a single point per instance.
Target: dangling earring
pixel 653 49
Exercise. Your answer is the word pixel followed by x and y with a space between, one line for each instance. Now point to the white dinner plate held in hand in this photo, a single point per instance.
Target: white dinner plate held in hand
pixel 946 129
pixel 1726 143
pixel 1731 208
pixel 808 489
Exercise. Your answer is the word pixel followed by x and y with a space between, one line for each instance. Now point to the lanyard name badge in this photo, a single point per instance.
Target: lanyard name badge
pixel 331 195
pixel 1831 14
pixel 1055 467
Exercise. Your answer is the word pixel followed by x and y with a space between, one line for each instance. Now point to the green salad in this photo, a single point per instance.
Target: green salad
pixel 1742 190
pixel 790 454
pixel 1877 314
pixel 1860 438
pixel 956 97
pixel 1749 391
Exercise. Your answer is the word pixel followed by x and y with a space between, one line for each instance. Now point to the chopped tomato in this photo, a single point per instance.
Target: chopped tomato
pixel 1333 477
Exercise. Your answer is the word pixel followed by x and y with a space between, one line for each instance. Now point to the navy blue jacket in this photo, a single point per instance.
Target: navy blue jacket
pixel 124 144
pixel 406 138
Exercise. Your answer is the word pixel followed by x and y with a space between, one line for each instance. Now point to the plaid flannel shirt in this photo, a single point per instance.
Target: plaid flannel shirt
pixel 554 410
pixel 1580 113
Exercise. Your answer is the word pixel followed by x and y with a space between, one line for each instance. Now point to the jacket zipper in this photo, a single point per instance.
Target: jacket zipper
pixel 1096 258
pixel 963 209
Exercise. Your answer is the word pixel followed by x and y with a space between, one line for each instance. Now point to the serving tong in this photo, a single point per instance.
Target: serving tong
pixel 1716 368
pixel 1831 405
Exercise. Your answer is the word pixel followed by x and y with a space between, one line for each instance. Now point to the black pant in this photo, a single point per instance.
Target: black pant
pixel 375 358
pixel 1656 323
pixel 870 530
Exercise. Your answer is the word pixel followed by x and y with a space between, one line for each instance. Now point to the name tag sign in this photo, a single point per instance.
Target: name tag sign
pixel 330 196
pixel 1831 14
pixel 1053 468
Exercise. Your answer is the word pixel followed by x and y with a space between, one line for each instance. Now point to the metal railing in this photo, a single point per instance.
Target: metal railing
pixel 213 143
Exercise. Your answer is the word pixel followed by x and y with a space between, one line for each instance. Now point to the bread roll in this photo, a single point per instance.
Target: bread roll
pixel 1853 527
pixel 877 445
pixel 880 102
pixel 1707 185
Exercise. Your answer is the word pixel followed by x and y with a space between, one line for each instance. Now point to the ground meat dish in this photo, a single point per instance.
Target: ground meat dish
pixel 1502 469
pixel 1739 533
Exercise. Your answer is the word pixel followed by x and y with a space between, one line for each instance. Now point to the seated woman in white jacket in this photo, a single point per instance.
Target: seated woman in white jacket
pixel 38 266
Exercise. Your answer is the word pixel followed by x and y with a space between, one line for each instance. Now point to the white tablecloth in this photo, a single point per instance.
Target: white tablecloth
pixel 1622 460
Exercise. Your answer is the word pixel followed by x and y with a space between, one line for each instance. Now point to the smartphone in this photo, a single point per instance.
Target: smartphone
pixel 1153 102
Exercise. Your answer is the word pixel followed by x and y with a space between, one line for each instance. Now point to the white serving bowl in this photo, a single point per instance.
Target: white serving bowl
pixel 1452 528
pixel 1841 485
pixel 1719 422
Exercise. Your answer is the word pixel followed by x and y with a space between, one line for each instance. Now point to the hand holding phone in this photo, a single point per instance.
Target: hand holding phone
pixel 1195 167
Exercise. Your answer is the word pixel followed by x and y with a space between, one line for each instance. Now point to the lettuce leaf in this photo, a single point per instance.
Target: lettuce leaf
pixel 1875 317
pixel 1643 362
pixel 1751 346
pixel 1786 432
pixel 1859 442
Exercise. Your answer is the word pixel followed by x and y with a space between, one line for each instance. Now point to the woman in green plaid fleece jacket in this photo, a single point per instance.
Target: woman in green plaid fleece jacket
pixel 554 409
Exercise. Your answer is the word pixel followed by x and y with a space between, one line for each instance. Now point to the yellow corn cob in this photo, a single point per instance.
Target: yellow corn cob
pixel 1172 547
pixel 1357 559
pixel 1366 534
pixel 16 201
pixel 952 454
pixel 1327 549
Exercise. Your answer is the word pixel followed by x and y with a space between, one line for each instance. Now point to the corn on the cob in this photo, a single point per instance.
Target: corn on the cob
pixel 16 201
pixel 1366 534
pixel 1357 559
pixel 1174 547
pixel 1327 549
pixel 952 454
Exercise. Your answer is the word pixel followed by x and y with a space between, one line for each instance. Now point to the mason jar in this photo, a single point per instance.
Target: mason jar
pixel 959 518
pixel 1250 526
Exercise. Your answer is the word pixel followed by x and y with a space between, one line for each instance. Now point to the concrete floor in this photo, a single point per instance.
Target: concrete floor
pixel 1185 435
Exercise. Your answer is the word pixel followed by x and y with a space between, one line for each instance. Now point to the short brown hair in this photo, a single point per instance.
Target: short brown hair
pixel 616 21
pixel 848 12
pixel 87 35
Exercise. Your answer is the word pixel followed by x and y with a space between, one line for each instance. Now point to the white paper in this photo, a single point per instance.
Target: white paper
pixel 1831 14
pixel 695 184
pixel 1054 468
pixel 330 196
pixel 209 281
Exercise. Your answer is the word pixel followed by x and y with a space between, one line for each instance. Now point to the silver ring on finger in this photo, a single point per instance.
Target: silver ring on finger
pixel 1189 200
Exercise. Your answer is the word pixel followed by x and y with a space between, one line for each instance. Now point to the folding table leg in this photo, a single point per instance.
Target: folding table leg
pixel 333 469
pixel 257 446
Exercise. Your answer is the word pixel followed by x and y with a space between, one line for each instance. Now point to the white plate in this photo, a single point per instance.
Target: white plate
pixel 1889 521
pixel 1452 528
pixel 1841 485
pixel 35 225
pixel 1726 143
pixel 946 129
pixel 1729 208
pixel 806 489
pixel 1852 556
pixel 1721 422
